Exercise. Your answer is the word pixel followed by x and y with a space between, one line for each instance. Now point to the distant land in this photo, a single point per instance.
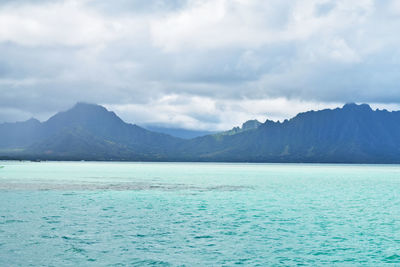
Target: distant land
pixel 351 134
pixel 178 132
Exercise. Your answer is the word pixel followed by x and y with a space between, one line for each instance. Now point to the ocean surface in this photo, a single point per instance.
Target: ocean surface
pixel 195 214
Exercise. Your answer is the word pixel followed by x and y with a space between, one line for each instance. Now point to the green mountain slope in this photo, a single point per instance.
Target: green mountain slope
pixel 354 133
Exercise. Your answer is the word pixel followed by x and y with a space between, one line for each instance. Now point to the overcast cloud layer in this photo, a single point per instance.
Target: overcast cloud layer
pixel 197 64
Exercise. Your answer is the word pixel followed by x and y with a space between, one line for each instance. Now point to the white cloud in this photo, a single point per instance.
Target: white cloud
pixel 220 23
pixel 64 23
pixel 394 7
pixel 210 64
pixel 206 113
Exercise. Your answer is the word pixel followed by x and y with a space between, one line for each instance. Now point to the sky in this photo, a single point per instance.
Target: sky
pixel 197 64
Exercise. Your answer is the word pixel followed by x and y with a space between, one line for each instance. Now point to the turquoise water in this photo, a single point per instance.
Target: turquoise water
pixel 193 214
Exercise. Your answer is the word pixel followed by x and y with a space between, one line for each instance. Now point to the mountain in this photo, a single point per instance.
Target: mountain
pixel 351 134
pixel 178 132
pixel 86 131
pixel 246 126
pixel 20 134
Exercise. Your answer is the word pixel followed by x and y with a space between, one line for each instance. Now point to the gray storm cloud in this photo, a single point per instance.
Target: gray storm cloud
pixel 197 64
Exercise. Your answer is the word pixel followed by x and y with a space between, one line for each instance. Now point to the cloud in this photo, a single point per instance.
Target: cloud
pixel 60 23
pixel 197 63
pixel 194 112
pixel 251 24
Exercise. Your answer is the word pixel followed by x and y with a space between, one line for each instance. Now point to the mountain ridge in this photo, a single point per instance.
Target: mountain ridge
pixel 350 134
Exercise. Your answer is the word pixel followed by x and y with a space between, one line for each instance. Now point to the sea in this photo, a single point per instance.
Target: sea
pixel 198 214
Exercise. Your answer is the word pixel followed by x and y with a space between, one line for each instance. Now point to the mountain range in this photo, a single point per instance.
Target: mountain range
pixel 351 134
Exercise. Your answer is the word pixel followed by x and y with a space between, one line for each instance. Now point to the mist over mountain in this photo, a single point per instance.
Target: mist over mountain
pixel 178 132
pixel 351 134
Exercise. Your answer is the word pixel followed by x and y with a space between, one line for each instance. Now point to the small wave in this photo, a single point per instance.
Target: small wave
pixel 140 235
pixel 203 236
pixel 13 221
pixel 150 263
pixel 76 250
pixel 48 236
pixel 393 259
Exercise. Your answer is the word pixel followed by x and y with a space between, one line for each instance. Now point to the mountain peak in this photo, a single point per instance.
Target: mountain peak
pixel 85 113
pixel 88 106
pixel 250 124
pixel 88 109
pixel 246 126
pixel 354 107
pixel 33 121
